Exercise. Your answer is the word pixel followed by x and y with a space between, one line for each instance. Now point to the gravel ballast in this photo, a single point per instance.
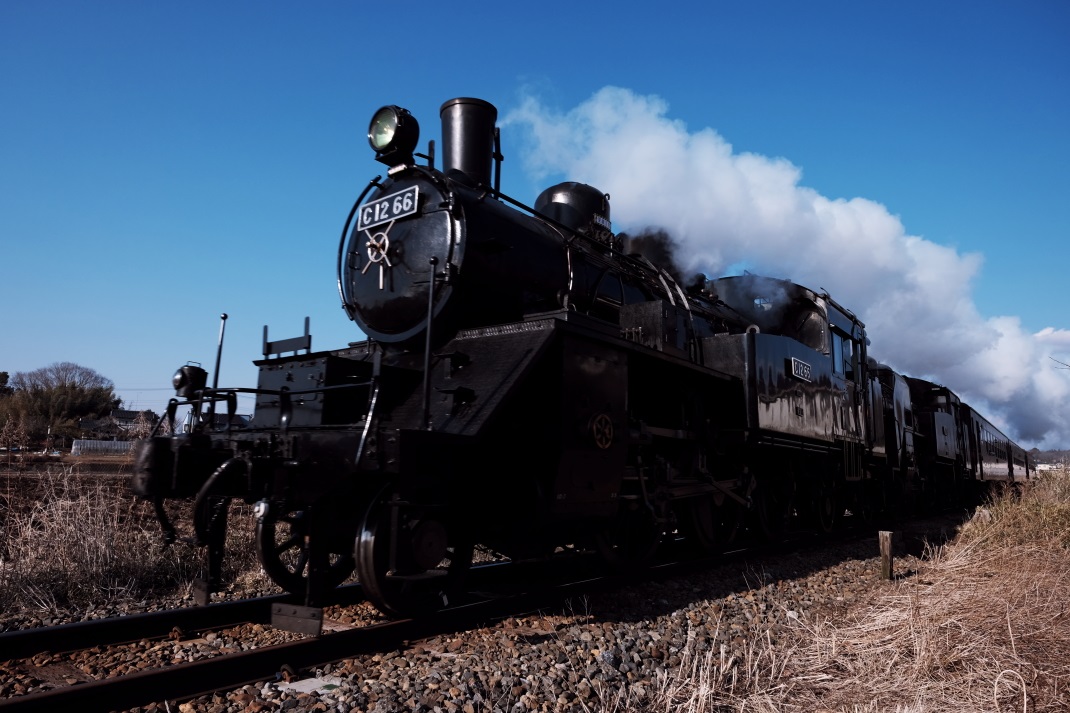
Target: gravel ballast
pixel 616 650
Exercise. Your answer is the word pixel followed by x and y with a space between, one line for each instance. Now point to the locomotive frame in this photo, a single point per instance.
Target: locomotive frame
pixel 532 380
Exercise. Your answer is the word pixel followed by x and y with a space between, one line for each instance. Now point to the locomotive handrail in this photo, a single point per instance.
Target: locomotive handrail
pixel 342 243
pixel 429 173
pixel 639 262
pixel 575 234
pixel 828 298
pixel 274 392
pixel 367 422
pixel 427 345
pixel 625 257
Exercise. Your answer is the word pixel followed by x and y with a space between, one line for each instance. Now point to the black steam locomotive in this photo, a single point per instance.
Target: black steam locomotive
pixel 532 380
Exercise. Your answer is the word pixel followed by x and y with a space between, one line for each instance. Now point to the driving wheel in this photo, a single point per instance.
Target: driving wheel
pixel 827 506
pixel 423 573
pixel 631 540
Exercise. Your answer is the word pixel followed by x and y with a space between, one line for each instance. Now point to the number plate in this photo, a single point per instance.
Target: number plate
pixel 801 370
pixel 388 208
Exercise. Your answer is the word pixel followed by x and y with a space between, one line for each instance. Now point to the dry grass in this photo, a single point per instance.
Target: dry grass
pixel 71 543
pixel 985 626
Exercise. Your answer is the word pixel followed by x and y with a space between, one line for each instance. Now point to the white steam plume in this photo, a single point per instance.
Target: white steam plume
pixel 725 208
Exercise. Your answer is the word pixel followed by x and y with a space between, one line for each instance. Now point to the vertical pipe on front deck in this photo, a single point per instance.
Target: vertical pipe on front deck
pixel 427 345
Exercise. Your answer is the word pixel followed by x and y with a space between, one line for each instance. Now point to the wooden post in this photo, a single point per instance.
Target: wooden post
pixel 886 554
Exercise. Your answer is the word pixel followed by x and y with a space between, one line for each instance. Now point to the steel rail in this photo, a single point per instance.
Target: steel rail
pixel 231 671
pixel 197 678
pixel 24 643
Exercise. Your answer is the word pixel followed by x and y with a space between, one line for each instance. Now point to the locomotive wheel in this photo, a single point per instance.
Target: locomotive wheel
pixel 698 521
pixel 415 591
pixel 864 501
pixel 708 523
pixel 731 520
pixel 826 506
pixel 284 548
pixel 630 540
pixel 773 505
pixel 891 495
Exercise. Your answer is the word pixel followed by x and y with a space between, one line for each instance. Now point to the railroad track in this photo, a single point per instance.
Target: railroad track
pixel 154 625
pixel 514 595
pixel 233 670
pixel 223 672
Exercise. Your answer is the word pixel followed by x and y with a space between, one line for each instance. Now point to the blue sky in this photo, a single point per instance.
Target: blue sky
pixel 161 163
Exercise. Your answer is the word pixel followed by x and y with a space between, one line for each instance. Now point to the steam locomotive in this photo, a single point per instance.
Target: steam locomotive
pixel 532 380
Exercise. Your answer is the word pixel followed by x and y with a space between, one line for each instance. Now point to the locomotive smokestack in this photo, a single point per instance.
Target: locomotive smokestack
pixel 468 137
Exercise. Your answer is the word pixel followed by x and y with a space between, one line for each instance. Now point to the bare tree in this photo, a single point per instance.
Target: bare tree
pixel 166 427
pixel 20 435
pixel 57 396
pixel 12 435
pixel 7 437
pixel 143 425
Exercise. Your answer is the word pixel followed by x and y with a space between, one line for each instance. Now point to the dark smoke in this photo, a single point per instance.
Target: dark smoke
pixel 658 247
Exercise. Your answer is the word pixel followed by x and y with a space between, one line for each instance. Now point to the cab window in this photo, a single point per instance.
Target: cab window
pixel 848 359
pixel 608 299
pixel 843 355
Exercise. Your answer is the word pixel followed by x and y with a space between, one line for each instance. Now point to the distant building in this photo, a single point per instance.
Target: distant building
pixel 117 433
pixel 89 446
pixel 219 421
pixel 120 424
pixel 123 425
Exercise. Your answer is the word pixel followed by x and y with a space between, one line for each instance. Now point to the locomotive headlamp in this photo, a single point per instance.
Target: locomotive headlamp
pixel 188 380
pixel 393 134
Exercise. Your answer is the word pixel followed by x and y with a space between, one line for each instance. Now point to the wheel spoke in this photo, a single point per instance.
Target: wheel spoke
pixel 294 541
pixel 287 562
pixel 302 561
